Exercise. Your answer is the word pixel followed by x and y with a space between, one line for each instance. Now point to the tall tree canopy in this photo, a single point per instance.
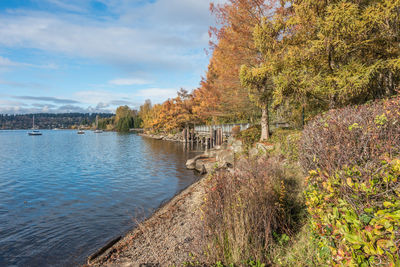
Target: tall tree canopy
pixel 340 52
pixel 289 55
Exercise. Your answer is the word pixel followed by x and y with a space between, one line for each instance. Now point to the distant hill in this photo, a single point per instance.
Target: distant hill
pixel 49 120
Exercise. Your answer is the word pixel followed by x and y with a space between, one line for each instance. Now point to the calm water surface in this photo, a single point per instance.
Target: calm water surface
pixel 64 195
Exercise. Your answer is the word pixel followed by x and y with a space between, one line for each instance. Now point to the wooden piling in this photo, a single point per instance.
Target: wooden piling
pixel 219 136
pixel 186 135
pixel 211 137
pixel 215 137
pixel 192 137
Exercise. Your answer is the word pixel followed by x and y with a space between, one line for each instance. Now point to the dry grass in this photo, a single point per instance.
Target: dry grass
pixel 357 135
pixel 249 210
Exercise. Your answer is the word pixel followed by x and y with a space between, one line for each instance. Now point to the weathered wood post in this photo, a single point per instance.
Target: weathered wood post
pixel 211 137
pixel 192 138
pixel 219 136
pixel 187 135
pixel 215 137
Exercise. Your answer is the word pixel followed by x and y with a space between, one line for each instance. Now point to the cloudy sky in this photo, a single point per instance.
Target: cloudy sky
pixel 94 55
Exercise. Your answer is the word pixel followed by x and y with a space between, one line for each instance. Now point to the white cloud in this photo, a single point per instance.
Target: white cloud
pixel 5 62
pixel 67 6
pixel 128 82
pixel 154 38
pixel 157 95
pixel 94 97
pixel 166 34
pixel 4 102
pixel 95 101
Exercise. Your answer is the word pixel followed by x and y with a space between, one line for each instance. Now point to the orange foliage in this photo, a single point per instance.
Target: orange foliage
pixel 233 47
pixel 220 96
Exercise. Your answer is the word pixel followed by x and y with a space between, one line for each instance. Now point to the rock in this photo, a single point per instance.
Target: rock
pixel 236 146
pixel 199 166
pixel 191 163
pixel 209 165
pixel 211 153
pixel 205 165
pixel 226 158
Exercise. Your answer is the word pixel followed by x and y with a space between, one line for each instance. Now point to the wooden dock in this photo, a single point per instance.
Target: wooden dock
pixel 211 135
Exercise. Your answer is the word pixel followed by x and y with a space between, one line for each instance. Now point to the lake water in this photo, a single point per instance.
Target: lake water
pixel 64 195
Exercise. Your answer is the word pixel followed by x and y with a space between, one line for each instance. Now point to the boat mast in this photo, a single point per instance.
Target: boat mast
pixel 33 126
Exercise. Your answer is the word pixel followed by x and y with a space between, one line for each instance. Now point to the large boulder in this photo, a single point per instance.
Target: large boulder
pixel 191 163
pixel 226 158
pixel 157 137
pixel 211 153
pixel 205 165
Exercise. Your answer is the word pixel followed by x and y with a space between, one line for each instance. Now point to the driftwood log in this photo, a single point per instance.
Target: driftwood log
pixel 103 249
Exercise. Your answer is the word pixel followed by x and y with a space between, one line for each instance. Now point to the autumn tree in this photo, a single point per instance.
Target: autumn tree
pixel 258 78
pixel 232 46
pixel 207 98
pixel 145 114
pixel 341 52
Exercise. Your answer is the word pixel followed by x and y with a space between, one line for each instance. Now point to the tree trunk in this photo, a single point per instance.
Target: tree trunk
pixel 264 124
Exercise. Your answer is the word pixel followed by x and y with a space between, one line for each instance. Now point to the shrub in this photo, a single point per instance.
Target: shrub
pixel 353 190
pixel 249 210
pixel 288 143
pixel 352 136
pixel 357 210
pixel 251 135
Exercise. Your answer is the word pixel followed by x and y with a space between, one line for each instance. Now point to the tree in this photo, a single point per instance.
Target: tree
pixel 145 114
pixel 260 92
pixel 227 99
pixel 124 119
pixel 340 52
pixel 258 79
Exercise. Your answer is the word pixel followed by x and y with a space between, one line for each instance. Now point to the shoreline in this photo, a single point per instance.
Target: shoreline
pixel 182 209
pixel 154 241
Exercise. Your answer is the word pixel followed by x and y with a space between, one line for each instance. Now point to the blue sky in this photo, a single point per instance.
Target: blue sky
pixel 92 56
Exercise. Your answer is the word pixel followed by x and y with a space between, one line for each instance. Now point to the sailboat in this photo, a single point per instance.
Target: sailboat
pixel 34 130
pixel 97 125
pixel 81 131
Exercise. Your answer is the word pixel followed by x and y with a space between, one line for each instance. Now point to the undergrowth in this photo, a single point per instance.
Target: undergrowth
pixel 353 190
pixel 256 214
pixel 249 211
pixel 250 136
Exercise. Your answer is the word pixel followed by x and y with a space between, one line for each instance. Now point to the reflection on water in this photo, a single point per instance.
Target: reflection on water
pixel 63 195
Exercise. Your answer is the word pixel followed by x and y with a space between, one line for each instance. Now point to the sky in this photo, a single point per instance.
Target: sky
pixel 95 55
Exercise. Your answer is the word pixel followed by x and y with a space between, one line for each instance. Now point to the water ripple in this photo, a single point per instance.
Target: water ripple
pixel 63 195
